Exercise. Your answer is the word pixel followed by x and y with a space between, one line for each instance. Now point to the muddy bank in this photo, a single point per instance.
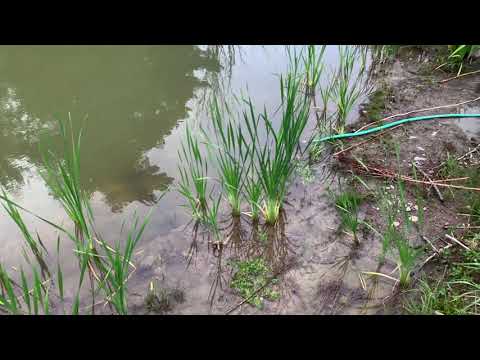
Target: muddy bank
pixel 318 271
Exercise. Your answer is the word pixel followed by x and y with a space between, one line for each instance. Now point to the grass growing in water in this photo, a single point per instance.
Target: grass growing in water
pixel 347 88
pixel 108 272
pixel 253 191
pixel 193 169
pixel 119 261
pixel 211 218
pixel 348 204
pixel 275 160
pixel 313 67
pixel 232 155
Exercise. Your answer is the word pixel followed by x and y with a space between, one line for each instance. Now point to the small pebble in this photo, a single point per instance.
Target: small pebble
pixel 414 218
pixel 396 224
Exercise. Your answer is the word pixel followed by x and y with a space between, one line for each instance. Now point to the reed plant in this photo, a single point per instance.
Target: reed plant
pixel 348 204
pixel 211 219
pixel 193 168
pixel 32 298
pixel 313 66
pixel 119 262
pixel 253 193
pixel 107 271
pixel 232 153
pixel 326 117
pixel 348 87
pixel 275 157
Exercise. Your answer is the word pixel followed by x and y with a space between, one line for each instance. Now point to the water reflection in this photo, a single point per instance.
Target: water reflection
pixel 133 96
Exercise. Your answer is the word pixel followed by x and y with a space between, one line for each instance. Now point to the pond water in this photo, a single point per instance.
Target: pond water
pixel 132 103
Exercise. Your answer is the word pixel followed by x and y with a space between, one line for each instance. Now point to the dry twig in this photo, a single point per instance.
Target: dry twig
pixel 437 191
pixel 459 76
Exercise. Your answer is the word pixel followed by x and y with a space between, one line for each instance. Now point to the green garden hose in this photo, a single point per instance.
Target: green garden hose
pixel 395 123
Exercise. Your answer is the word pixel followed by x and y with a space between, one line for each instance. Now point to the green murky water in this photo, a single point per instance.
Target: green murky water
pixel 132 103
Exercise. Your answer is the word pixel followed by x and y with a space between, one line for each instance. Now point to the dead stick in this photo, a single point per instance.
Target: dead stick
pixel 430 243
pixel 433 255
pixel 468 153
pixel 458 242
pixel 463 227
pixel 406 178
pixel 439 194
pixel 459 76
pixel 450 180
pixel 440 184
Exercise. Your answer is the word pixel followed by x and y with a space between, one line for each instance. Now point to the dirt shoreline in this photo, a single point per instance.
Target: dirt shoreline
pixel 324 271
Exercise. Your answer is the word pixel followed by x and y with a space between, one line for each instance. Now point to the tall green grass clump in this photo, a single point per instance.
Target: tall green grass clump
pixel 275 159
pixel 32 298
pixel 348 88
pixel 211 218
pixel 348 204
pixel 232 154
pixel 62 176
pixel 253 193
pixel 193 168
pixel 107 272
pixel 313 67
pixel 119 261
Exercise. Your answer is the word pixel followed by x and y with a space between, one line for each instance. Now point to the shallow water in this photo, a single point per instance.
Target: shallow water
pixel 132 102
